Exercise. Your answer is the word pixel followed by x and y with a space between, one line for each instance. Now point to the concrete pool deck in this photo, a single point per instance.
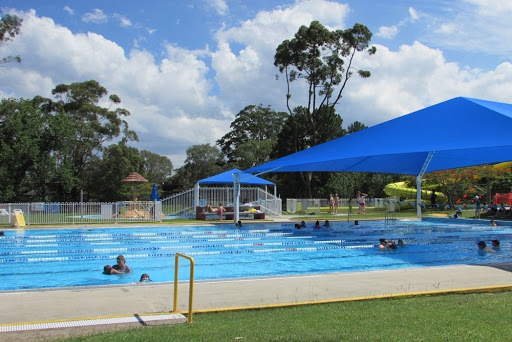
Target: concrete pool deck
pixel 22 307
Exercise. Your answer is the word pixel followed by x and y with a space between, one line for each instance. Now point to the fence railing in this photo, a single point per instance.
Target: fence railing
pixel 296 204
pixel 84 212
pixel 177 206
pixel 182 205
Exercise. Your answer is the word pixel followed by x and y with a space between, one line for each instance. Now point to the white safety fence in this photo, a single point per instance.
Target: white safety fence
pixel 83 212
pixel 296 204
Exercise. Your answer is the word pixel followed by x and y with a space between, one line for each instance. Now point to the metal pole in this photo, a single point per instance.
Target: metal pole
pixel 418 182
pixel 236 196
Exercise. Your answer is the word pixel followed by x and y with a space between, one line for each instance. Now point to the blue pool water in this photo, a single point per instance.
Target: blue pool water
pixel 31 259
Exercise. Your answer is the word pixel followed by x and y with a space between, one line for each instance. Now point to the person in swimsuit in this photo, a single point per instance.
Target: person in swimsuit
pixel 336 203
pixel 121 267
pixel 331 204
pixel 360 199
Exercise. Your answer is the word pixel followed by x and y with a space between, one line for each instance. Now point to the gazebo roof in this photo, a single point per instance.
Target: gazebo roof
pixel 134 177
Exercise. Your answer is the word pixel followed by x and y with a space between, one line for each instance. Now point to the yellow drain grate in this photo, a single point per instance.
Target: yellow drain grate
pixel 90 322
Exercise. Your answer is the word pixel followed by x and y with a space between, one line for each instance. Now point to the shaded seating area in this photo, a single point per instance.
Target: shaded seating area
pixel 251 213
pixel 250 210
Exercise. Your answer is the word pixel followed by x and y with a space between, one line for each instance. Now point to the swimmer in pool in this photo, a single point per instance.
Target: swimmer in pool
pixel 383 244
pixel 121 267
pixel 144 278
pixel 107 269
pixel 495 244
pixel 483 247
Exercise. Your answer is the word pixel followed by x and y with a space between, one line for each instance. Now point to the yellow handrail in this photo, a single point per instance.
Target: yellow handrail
pixel 191 284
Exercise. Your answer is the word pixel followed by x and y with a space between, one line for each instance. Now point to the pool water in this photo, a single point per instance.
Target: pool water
pixel 32 259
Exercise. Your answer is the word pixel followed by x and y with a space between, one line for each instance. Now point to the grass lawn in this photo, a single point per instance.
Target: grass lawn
pixel 453 317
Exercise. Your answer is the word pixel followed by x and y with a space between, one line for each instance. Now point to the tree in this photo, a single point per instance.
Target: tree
pixel 296 135
pixel 103 177
pixel 93 125
pixel 355 127
pixel 459 184
pixel 9 28
pixel 202 161
pixel 21 134
pixel 252 137
pixel 156 167
pixel 324 59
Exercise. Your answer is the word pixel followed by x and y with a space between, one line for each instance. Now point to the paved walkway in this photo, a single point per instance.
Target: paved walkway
pixel 86 302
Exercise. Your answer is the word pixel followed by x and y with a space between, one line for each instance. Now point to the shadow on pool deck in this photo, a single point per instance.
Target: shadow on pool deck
pixel 87 302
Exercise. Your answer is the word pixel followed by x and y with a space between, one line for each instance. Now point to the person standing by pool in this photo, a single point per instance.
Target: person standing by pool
pixel 336 203
pixel 433 199
pixel 360 200
pixel 221 211
pixel 478 206
pixel 121 267
pixel 331 204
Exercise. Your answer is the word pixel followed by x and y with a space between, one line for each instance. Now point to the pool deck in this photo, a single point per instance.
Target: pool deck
pixel 82 303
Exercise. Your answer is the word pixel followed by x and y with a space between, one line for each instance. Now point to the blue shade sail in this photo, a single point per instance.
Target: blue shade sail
pixel 460 132
pixel 227 178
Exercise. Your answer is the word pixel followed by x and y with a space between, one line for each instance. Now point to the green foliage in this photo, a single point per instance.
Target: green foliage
pixel 156 167
pixel 297 135
pixel 202 161
pixel 252 137
pixel 92 124
pixel 463 184
pixel 10 26
pixel 355 127
pixel 323 59
pixel 103 179
pixel 23 135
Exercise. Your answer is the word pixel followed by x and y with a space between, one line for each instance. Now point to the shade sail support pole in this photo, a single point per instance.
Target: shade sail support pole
pixel 236 196
pixel 418 182
pixel 196 195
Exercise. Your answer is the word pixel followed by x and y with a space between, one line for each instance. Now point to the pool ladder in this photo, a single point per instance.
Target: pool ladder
pixel 191 284
pixel 390 216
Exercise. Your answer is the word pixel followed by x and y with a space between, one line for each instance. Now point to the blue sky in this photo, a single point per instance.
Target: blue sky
pixel 185 68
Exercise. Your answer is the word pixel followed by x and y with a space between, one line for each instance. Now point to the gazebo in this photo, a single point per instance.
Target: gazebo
pixel 227 178
pixel 135 179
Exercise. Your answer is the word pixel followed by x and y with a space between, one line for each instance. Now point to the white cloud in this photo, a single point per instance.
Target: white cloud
pixel 122 20
pixel 417 76
pixel 414 14
pixel 473 25
pixel 69 10
pixel 387 32
pixel 220 6
pixel 97 17
pixel 447 29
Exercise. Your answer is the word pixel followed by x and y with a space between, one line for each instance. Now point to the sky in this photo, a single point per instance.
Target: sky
pixel 184 69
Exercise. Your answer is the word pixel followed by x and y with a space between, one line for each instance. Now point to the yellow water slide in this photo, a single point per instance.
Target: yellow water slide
pixel 401 189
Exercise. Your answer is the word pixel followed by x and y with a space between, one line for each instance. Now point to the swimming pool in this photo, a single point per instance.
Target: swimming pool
pixel 32 259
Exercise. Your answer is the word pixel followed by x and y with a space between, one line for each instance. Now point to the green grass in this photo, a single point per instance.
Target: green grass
pixel 454 317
